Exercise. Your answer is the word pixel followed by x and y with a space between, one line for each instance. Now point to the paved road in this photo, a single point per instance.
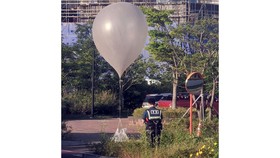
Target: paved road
pixel 85 131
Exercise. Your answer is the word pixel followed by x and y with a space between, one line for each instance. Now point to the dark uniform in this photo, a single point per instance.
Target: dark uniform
pixel 152 118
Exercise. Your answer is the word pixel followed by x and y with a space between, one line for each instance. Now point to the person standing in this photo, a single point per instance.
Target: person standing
pixel 152 118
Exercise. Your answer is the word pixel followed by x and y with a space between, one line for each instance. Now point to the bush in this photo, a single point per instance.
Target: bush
pixel 167 113
pixel 173 113
pixel 138 112
pixel 80 102
pixel 106 103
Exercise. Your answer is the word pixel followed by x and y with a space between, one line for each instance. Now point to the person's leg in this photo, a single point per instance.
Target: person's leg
pixel 153 139
pixel 150 137
pixel 158 137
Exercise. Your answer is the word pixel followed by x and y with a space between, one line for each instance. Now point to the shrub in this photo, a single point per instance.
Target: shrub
pixel 80 102
pixel 173 113
pixel 138 112
pixel 211 127
pixel 105 98
pixel 167 113
pixel 208 150
pixel 106 102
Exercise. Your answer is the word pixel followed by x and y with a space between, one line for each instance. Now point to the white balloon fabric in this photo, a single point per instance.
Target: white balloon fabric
pixel 119 33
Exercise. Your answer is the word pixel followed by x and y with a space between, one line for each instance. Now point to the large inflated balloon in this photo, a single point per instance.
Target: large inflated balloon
pixel 119 33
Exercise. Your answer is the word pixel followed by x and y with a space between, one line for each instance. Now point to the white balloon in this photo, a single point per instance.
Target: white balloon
pixel 119 33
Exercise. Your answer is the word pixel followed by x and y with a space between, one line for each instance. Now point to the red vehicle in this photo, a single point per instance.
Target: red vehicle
pixel 183 100
pixel 157 97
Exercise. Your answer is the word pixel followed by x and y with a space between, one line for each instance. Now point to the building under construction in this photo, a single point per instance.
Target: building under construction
pixel 84 11
pixel 81 11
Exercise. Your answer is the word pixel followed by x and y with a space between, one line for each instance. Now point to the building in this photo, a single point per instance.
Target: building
pixel 83 11
pixel 152 81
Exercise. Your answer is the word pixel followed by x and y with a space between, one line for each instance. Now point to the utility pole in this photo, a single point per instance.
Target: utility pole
pixel 189 10
pixel 92 84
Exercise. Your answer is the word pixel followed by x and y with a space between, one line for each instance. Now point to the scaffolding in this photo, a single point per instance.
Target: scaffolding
pixel 82 11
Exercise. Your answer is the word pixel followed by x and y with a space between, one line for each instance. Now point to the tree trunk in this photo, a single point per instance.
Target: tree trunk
pixel 93 83
pixel 202 105
pixel 196 105
pixel 212 99
pixel 174 89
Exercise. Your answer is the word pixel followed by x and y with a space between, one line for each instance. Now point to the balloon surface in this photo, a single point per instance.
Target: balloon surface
pixel 119 33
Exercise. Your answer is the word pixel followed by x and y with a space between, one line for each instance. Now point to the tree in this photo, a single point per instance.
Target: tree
pixel 166 43
pixel 81 64
pixel 89 55
pixel 77 61
pixel 203 39
pixel 184 48
pixel 68 68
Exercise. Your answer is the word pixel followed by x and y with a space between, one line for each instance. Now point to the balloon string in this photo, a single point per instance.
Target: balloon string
pixel 120 124
pixel 120 97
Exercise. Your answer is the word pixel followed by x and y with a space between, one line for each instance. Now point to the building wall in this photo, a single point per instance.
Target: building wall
pixel 80 11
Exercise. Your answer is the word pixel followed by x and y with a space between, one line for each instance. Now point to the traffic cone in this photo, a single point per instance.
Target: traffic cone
pixel 198 133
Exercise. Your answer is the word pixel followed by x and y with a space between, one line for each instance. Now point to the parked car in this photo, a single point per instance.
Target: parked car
pixel 157 97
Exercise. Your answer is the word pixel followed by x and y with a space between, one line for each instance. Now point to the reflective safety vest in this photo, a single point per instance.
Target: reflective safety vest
pixel 154 114
pixel 153 119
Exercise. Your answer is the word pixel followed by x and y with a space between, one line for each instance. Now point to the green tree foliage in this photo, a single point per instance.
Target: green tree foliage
pixel 68 68
pixel 77 61
pixel 203 38
pixel 135 86
pixel 78 68
pixel 184 48
pixel 103 72
pixel 166 44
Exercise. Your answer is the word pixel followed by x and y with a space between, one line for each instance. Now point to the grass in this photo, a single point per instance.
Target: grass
pixel 175 142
